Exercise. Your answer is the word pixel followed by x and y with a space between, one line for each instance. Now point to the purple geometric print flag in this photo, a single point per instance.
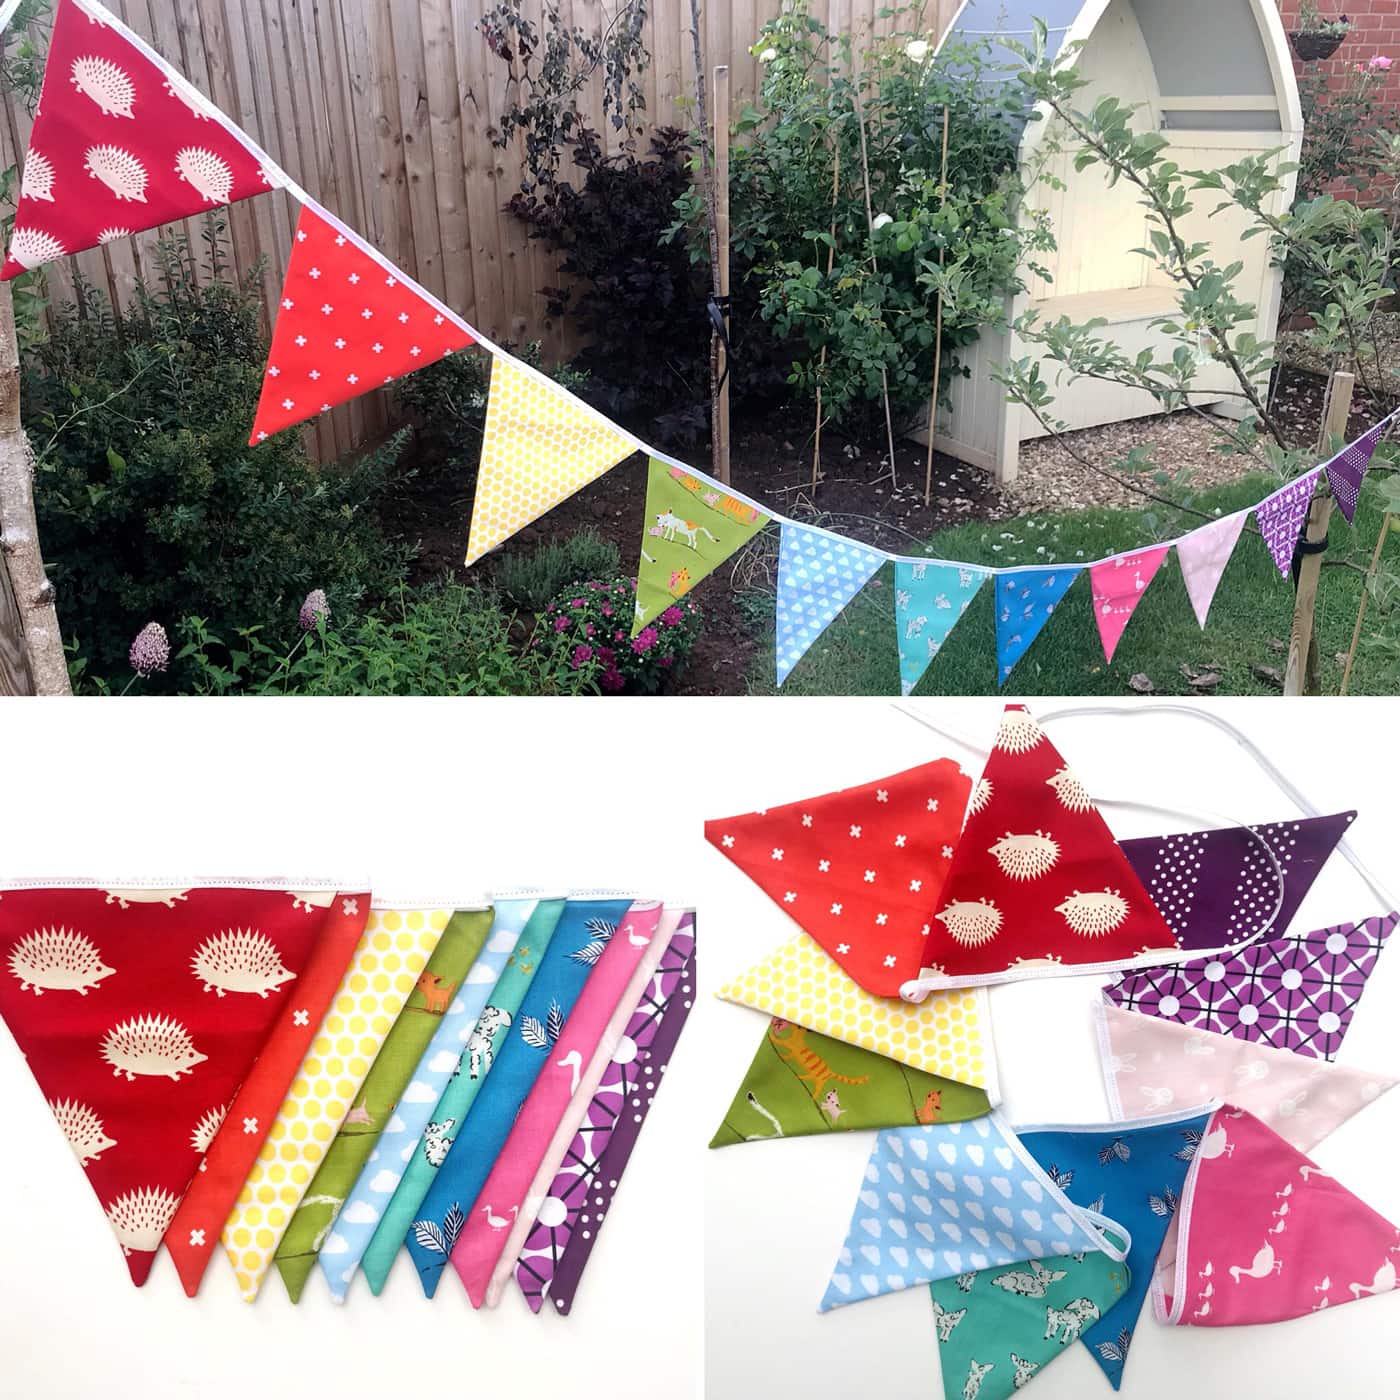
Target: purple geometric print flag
pixel 1346 470
pixel 1281 518
pixel 594 1162
pixel 1292 993
pixel 1218 889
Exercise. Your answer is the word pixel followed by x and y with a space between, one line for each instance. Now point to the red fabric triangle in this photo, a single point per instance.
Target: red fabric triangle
pixel 348 323
pixel 140 1013
pixel 859 869
pixel 116 149
pixel 1038 877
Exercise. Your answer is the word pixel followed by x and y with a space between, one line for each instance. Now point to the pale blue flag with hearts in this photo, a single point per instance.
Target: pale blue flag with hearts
pixel 818 574
pixel 413 1115
pixel 930 598
pixel 952 1198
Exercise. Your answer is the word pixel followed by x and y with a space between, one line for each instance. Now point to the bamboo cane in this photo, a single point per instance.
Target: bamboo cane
pixel 721 129
pixel 937 326
pixel 1387 522
pixel 830 263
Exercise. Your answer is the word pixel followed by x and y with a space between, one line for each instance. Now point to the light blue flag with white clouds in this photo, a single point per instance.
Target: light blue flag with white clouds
pixel 818 574
pixel 1025 600
pixel 929 599
pixel 354 1228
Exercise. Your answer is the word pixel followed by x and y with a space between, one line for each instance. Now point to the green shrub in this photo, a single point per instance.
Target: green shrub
pixel 531 580
pixel 151 503
pixel 589 625
pixel 446 638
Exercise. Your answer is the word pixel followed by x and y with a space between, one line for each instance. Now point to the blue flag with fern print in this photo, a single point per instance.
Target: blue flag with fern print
pixel 818 574
pixel 1025 599
pixel 1133 1172
pixel 583 931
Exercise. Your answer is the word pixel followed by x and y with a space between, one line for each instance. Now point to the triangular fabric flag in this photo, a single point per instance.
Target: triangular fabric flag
pixel 539 446
pixel 930 598
pixel 1135 1172
pixel 482 1046
pixel 801 1083
pixel 999 1328
pixel 193 1235
pixel 949 1198
pixel 1296 994
pixel 390 1078
pixel 1347 470
pixel 1203 555
pixel 121 143
pixel 612 1044
pixel 818 574
pixel 1038 885
pixel 585 928
pixel 355 1224
pixel 1219 888
pixel 393 951
pixel 947 1033
pixel 1119 584
pixel 556 1251
pixel 1265 1234
pixel 349 321
pixel 861 868
pixel 692 527
pixel 1150 1065
pixel 482 1238
pixel 1025 600
pixel 1280 518
pixel 140 1011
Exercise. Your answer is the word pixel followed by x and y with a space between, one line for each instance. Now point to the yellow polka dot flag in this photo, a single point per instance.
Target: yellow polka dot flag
pixel 395 948
pixel 540 446
pixel 948 1034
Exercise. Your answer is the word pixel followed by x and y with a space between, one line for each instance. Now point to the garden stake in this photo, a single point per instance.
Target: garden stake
pixel 1301 676
pixel 709 178
pixel 721 341
pixel 875 267
pixel 937 325
pixel 1387 521
pixel 830 263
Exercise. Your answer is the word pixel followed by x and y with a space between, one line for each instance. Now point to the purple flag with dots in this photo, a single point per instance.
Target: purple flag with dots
pixel 1347 469
pixel 580 1196
pixel 1281 518
pixel 1292 993
pixel 1219 889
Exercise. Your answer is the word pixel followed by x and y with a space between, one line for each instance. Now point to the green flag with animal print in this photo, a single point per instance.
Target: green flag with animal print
pixel 691 528
pixel 801 1084
pixel 998 1328
pixel 389 1077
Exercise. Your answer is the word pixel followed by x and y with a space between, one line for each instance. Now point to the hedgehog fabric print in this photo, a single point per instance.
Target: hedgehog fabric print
pixel 139 1013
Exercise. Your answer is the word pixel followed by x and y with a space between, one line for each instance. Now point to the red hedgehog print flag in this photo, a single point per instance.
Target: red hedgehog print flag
pixel 349 321
pixel 1038 884
pixel 140 1012
pixel 859 869
pixel 120 143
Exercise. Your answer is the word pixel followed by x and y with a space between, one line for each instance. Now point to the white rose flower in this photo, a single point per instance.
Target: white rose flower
pixel 768 55
pixel 880 220
pixel 916 50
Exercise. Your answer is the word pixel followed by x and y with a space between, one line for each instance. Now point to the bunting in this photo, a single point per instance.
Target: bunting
pixel 818 574
pixel 1280 518
pixel 930 598
pixel 691 528
pixel 1119 584
pixel 1025 601
pixel 1203 555
pixel 1347 470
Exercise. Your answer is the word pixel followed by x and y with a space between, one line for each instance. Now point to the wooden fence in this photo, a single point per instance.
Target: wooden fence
pixel 383 110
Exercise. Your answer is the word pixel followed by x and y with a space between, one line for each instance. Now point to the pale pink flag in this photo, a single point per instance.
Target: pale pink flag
pixel 502 1197
pixel 1265 1234
pixel 1203 555
pixel 1152 1065
pixel 1118 585
pixel 610 1048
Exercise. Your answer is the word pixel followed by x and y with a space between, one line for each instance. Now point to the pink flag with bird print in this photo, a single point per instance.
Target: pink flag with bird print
pixel 1265 1234
pixel 1119 584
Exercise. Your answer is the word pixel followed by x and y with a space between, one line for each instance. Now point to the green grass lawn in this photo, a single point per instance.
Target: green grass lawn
pixel 857 654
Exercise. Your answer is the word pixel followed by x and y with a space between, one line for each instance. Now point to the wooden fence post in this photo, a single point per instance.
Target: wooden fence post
pixel 1302 677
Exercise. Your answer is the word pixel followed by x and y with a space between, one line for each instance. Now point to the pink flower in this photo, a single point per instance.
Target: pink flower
pixel 581 655
pixel 594 585
pixel 150 652
pixel 576 602
pixel 315 609
pixel 672 616
pixel 617 636
pixel 612 679
pixel 667 660
pixel 561 624
pixel 1381 63
pixel 607 610
pixel 605 655
pixel 644 640
pixel 589 629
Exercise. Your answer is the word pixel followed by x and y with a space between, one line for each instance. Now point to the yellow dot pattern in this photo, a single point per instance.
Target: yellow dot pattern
pixel 944 1034
pixel 540 446
pixel 325 1088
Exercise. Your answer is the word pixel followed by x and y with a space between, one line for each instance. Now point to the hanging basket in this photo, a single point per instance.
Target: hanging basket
pixel 1310 46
